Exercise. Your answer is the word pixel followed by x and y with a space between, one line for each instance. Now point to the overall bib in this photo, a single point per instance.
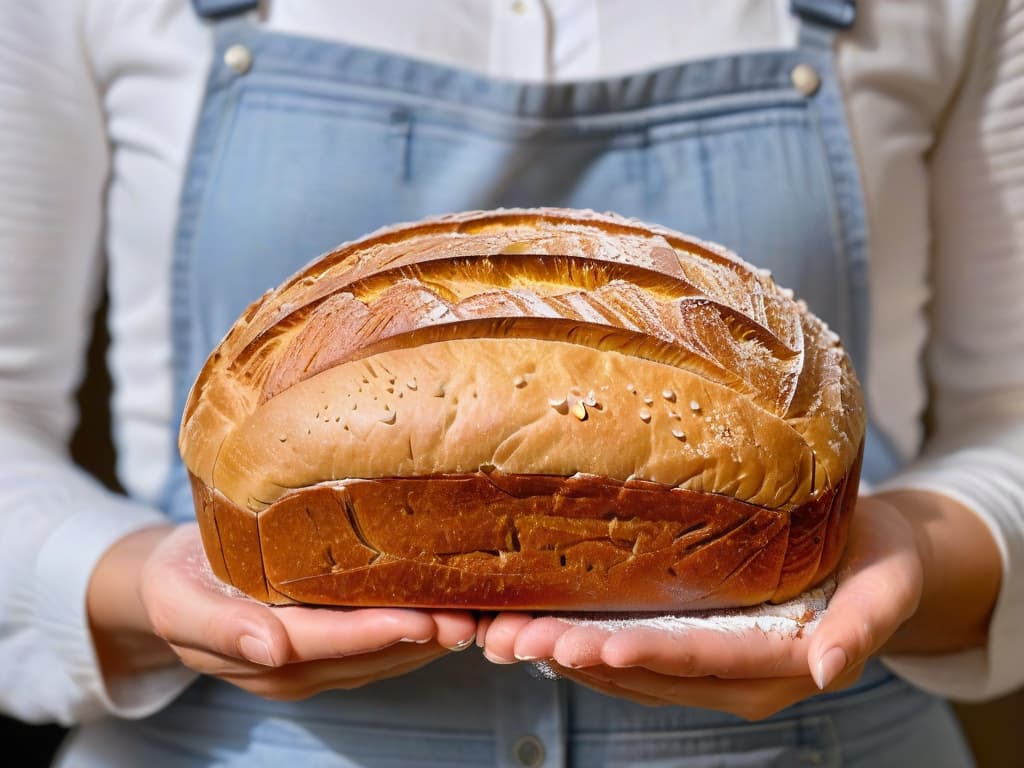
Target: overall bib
pixel 302 144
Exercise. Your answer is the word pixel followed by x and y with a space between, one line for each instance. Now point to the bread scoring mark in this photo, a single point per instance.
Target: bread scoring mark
pixel 220 544
pixel 528 285
pixel 328 550
pixel 353 521
pixel 330 347
pixel 754 556
pixel 602 338
pixel 262 560
pixel 456 278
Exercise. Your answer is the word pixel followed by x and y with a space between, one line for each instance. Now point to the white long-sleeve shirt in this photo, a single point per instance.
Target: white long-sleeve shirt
pixel 98 100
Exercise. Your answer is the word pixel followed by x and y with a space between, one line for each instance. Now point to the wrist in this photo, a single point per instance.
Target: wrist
pixel 962 574
pixel 122 636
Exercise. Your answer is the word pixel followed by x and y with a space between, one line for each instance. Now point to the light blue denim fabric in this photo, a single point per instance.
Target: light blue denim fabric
pixel 320 143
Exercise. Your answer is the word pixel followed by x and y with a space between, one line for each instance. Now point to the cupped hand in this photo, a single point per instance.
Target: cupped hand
pixel 751 673
pixel 283 652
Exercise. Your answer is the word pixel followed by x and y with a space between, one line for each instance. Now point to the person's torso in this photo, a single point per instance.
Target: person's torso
pixel 303 143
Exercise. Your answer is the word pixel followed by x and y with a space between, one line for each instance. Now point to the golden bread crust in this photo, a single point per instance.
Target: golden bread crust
pixel 525 343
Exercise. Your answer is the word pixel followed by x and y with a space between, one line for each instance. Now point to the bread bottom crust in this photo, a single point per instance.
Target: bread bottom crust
pixel 491 541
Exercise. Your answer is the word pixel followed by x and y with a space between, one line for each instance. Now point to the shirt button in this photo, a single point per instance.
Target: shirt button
pixel 519 7
pixel 805 79
pixel 238 58
pixel 529 751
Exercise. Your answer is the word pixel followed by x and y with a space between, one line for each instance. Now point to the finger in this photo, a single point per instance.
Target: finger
pixel 330 633
pixel 314 677
pixel 752 699
pixel 499 644
pixel 317 676
pixel 879 588
pixel 303 679
pixel 580 646
pixel 188 610
pixel 695 653
pixel 454 630
pixel 537 639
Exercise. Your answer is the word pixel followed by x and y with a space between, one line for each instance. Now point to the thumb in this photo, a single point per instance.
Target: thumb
pixel 188 609
pixel 880 583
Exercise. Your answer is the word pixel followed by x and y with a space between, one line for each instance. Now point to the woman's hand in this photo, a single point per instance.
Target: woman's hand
pixel 881 582
pixel 283 652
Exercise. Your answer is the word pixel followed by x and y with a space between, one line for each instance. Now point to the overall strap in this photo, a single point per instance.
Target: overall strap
pixel 820 22
pixel 839 14
pixel 822 19
pixel 217 9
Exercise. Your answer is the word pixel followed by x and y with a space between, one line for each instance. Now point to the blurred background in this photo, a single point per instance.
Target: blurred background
pixel 993 728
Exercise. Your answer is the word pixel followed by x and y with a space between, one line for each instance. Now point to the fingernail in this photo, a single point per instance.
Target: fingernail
pixel 462 644
pixel 417 640
pixel 496 660
pixel 831 663
pixel 255 650
pixel 524 657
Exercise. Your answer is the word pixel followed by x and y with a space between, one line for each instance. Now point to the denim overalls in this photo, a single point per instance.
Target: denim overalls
pixel 302 144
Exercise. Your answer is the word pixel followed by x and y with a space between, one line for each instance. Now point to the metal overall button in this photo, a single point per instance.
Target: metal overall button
pixel 529 751
pixel 805 79
pixel 239 58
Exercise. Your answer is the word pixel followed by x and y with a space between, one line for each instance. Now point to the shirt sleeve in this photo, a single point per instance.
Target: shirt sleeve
pixel 975 358
pixel 57 521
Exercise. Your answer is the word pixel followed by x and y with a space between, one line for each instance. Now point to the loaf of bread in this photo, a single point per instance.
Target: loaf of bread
pixel 526 408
